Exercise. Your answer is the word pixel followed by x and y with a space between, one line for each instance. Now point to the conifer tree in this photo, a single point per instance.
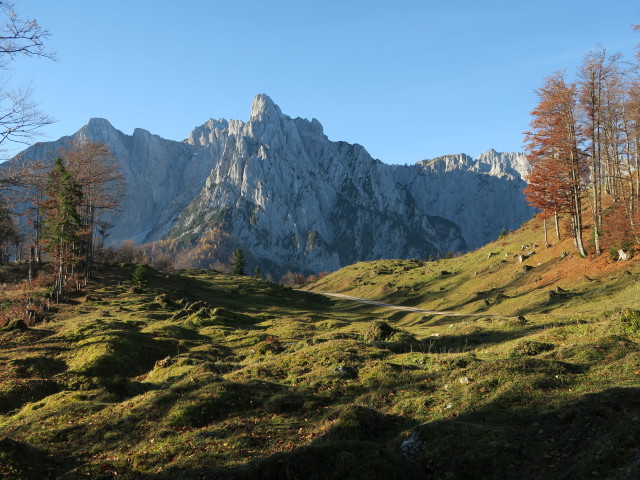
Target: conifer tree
pixel 96 171
pixel 62 227
pixel 139 275
pixel 238 262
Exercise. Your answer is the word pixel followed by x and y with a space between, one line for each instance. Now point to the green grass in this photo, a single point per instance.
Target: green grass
pixel 208 375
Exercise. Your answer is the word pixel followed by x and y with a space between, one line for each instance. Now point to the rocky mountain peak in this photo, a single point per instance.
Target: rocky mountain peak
pixel 97 122
pixel 294 200
pixel 98 129
pixel 264 109
pixel 504 163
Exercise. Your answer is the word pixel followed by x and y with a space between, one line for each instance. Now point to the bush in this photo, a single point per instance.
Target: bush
pixel 613 253
pixel 290 279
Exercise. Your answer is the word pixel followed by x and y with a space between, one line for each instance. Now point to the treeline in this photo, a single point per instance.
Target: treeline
pixel 66 203
pixel 215 250
pixel 584 149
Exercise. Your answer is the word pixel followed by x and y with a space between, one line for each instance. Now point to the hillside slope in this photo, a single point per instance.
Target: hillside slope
pixel 495 280
pixel 209 375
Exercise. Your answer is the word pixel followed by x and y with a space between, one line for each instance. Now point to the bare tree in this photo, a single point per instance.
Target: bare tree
pixel 98 173
pixel 20 115
pixel 599 77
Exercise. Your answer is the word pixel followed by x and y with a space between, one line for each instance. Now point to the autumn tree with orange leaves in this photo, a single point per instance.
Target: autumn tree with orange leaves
pixel 557 178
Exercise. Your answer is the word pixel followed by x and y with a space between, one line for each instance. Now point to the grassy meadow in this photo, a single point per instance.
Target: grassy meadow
pixel 200 374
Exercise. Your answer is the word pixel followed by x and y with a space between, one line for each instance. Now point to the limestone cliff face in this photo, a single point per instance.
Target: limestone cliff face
pixel 294 200
pixel 482 196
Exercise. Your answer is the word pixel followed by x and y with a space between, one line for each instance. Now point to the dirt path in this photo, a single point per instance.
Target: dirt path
pixel 401 307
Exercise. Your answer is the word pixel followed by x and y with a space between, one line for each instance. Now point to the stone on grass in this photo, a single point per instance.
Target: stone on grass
pixel 411 447
pixel 345 371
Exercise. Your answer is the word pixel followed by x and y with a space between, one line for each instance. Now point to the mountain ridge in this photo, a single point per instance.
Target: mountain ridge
pixel 295 200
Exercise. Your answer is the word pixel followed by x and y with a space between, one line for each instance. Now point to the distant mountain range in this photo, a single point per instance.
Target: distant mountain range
pixel 295 200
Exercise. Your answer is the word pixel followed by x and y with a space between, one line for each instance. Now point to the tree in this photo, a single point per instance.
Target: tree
pixel 129 252
pixel 8 232
pixel 257 273
pixel 62 226
pixel 290 279
pixel 557 178
pixel 20 115
pixel 598 75
pixel 140 275
pixel 238 262
pixel 98 174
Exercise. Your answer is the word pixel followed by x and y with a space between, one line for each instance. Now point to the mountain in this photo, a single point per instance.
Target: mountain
pixel 295 200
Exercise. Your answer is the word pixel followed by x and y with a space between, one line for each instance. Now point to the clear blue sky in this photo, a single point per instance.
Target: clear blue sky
pixel 409 80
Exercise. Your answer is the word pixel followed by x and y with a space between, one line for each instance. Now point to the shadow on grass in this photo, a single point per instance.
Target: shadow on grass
pixel 18 460
pixel 482 337
pixel 592 436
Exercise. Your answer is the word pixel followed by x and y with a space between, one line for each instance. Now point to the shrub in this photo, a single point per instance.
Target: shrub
pixel 290 279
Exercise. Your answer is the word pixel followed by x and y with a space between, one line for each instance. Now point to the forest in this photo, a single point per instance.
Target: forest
pixel 584 149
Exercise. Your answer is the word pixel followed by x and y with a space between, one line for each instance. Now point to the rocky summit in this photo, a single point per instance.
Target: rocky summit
pixel 294 200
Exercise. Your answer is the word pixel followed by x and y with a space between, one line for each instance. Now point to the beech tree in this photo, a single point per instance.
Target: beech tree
pixel 553 144
pixel 597 78
pixel 62 226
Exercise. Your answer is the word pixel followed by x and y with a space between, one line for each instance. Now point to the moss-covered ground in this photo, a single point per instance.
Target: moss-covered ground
pixel 207 375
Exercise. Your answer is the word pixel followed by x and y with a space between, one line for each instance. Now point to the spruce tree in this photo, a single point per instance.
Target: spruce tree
pixel 62 225
pixel 139 275
pixel 237 262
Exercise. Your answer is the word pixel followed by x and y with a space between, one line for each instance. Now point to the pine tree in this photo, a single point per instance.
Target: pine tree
pixel 237 262
pixel 257 272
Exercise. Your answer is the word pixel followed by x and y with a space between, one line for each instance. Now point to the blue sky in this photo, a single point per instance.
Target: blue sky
pixel 409 80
